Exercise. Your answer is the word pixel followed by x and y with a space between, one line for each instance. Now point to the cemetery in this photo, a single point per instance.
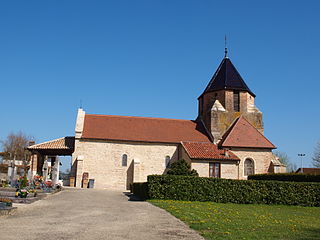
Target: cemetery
pixel 19 186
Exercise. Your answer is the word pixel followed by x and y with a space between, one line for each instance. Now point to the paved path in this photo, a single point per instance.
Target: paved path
pixel 92 214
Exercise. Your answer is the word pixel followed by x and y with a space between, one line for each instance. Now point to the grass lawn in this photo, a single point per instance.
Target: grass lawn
pixel 240 221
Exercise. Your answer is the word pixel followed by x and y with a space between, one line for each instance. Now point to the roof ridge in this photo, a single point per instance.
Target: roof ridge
pixel 214 76
pixel 231 128
pixel 257 130
pixel 235 124
pixel 139 117
pixel 226 73
pixel 198 142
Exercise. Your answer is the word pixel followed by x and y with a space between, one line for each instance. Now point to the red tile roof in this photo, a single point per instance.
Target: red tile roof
pixel 309 170
pixel 202 150
pixel 243 134
pixel 142 129
pixel 65 143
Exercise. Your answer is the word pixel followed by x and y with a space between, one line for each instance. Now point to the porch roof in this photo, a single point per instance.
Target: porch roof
pixel 60 146
pixel 208 151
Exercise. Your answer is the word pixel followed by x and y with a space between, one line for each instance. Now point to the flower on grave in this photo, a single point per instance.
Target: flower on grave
pixel 48 183
pixel 38 178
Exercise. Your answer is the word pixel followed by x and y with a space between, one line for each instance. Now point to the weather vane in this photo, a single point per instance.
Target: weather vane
pixel 225 47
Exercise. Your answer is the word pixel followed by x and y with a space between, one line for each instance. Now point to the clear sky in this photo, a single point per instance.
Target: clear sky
pixel 154 58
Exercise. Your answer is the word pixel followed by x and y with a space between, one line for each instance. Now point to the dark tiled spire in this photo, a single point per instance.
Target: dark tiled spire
pixel 227 78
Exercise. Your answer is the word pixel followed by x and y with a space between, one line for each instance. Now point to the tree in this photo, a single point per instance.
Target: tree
pixel 181 167
pixel 316 156
pixel 283 157
pixel 285 160
pixel 15 146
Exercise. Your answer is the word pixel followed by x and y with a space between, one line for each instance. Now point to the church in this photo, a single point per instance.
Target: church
pixel 226 140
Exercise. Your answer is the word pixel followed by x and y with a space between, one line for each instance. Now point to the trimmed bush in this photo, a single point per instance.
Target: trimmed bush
pixel 181 167
pixel 289 177
pixel 233 191
pixel 140 190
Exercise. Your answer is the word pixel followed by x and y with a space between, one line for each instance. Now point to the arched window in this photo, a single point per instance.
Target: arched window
pixel 167 161
pixel 124 160
pixel 248 167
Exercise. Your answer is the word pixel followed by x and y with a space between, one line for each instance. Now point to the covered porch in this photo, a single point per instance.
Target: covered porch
pixel 44 160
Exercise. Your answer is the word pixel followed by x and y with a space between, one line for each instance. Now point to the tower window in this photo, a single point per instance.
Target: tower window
pixel 124 160
pixel 236 101
pixel 215 97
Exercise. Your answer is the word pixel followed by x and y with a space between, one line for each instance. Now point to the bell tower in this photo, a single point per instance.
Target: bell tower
pixel 226 98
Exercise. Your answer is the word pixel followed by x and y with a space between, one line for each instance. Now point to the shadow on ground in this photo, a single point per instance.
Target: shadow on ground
pixel 132 197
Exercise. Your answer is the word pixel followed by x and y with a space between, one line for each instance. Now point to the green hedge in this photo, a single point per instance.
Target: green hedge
pixel 140 190
pixel 233 191
pixel 289 177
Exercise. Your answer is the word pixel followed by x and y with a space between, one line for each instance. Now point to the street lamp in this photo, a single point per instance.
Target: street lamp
pixel 301 155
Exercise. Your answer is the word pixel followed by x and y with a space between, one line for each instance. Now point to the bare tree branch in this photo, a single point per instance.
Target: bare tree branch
pixel 316 156
pixel 15 145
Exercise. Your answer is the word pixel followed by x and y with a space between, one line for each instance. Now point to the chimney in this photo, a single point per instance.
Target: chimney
pixel 226 153
pixel 79 123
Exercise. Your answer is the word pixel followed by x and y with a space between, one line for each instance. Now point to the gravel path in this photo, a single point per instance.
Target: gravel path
pixel 92 214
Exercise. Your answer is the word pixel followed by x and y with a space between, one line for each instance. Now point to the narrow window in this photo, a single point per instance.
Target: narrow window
pixel 167 161
pixel 214 170
pixel 215 97
pixel 236 101
pixel 248 167
pixel 124 160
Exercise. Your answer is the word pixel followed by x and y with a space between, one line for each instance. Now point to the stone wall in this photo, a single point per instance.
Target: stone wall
pixel 261 158
pixel 229 169
pixel 103 161
pixel 218 121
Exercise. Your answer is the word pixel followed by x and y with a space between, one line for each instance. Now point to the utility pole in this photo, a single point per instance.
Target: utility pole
pixel 301 155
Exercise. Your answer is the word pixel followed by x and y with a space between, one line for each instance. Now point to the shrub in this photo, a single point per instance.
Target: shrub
pixel 233 191
pixel 140 190
pixel 289 177
pixel 181 167
pixel 23 182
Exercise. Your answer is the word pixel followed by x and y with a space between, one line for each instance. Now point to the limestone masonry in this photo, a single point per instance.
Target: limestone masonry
pixel 225 141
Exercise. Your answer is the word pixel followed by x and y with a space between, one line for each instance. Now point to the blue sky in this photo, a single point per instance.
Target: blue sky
pixel 154 58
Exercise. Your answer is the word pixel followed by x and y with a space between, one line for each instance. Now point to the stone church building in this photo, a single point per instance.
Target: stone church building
pixel 225 141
